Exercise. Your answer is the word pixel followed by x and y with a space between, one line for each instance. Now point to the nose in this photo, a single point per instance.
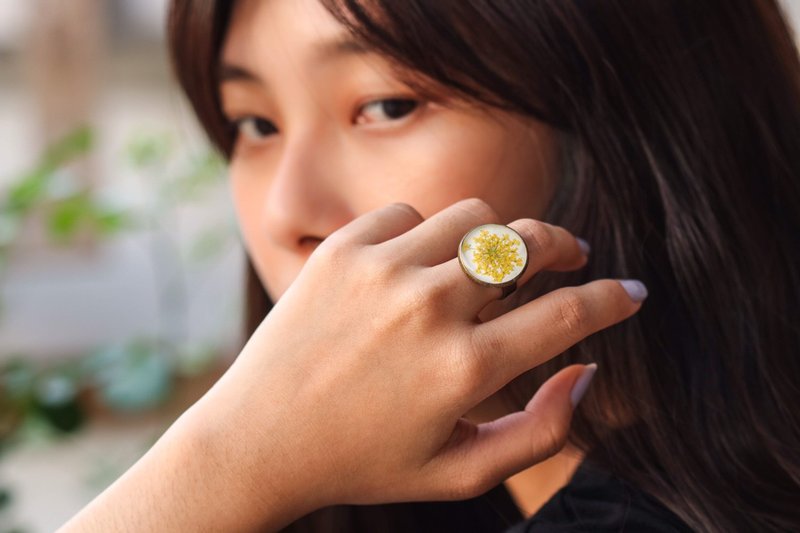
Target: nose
pixel 305 200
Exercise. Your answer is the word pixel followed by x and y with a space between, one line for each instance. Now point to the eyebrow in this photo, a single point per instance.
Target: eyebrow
pixel 229 72
pixel 338 46
pixel 323 51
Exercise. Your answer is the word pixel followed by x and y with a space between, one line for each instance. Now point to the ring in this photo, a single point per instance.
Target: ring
pixel 493 255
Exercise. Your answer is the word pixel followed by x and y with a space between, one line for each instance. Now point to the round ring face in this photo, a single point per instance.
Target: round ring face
pixel 492 254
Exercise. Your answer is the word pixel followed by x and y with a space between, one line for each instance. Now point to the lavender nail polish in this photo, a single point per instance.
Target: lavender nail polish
pixel 585 248
pixel 635 289
pixel 582 384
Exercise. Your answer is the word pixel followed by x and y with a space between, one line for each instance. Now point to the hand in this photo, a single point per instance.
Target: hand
pixel 352 390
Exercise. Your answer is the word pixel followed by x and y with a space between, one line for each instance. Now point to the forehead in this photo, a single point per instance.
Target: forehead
pixel 264 29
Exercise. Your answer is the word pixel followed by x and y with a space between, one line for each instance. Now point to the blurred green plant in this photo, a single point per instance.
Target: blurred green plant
pixel 34 399
pixel 65 214
pixel 47 400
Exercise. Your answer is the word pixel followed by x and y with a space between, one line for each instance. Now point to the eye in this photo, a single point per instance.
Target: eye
pixel 386 109
pixel 253 128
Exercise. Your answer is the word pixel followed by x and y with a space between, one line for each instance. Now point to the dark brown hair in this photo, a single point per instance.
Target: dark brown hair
pixel 680 124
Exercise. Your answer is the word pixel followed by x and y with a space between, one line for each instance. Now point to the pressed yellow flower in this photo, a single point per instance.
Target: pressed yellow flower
pixel 496 255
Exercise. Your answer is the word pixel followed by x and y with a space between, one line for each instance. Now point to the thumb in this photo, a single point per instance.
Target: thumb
pixel 496 450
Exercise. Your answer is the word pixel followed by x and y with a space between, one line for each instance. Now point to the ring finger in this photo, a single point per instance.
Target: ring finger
pixel 549 247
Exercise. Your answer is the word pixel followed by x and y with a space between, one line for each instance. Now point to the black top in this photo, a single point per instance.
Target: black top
pixel 592 501
pixel 596 501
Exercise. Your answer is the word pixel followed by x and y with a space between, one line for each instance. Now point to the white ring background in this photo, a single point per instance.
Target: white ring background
pixel 468 261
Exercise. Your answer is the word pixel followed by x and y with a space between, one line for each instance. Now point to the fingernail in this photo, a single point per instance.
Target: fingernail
pixel 582 384
pixel 635 289
pixel 585 248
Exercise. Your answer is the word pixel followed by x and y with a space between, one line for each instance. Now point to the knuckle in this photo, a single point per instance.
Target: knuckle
pixel 407 210
pixel 539 237
pixel 479 208
pixel 337 239
pixel 434 286
pixel 388 283
pixel 436 298
pixel 484 342
pixel 474 374
pixel 411 304
pixel 416 306
pixel 573 314
pixel 471 483
pixel 378 264
pixel 549 442
pixel 477 365
pixel 334 249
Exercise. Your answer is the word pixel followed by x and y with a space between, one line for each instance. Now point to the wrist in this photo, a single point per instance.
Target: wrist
pixel 263 480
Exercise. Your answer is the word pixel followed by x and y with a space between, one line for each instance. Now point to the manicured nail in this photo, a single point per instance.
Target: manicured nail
pixel 582 384
pixel 635 289
pixel 585 248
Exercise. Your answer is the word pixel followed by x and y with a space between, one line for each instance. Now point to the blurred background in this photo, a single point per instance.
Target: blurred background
pixel 121 266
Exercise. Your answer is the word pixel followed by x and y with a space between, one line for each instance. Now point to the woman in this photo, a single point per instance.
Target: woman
pixel 666 134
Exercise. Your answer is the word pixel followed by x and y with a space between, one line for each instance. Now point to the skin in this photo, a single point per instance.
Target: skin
pixel 336 154
pixel 340 413
pixel 328 151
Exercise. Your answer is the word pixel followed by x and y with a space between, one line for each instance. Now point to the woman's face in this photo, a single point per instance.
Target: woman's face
pixel 327 132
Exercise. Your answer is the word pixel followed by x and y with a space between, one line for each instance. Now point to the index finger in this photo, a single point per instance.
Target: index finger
pixel 507 346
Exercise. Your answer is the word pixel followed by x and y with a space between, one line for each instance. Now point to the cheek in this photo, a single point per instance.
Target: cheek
pixel 523 178
pixel 513 173
pixel 513 169
pixel 246 194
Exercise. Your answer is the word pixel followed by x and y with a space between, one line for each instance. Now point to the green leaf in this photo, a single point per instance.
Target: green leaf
pixel 146 150
pixel 65 217
pixel 32 186
pixel 17 377
pixel 132 377
pixel 5 497
pixel 76 143
pixel 108 221
pixel 203 173
pixel 56 400
pixel 23 194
